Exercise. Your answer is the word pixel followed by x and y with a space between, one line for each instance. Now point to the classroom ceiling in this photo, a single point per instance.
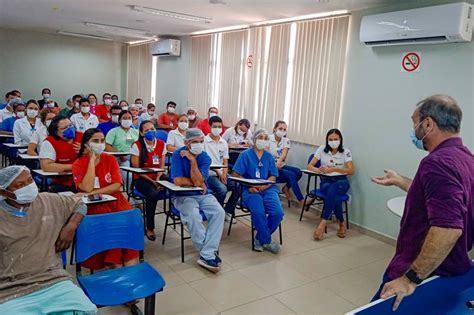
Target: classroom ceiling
pixel 51 16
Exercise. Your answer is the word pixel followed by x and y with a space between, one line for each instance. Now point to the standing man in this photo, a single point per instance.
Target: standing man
pixel 436 227
pixel 46 93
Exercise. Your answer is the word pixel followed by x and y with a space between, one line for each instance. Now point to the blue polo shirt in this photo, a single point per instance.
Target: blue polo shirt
pixel 249 166
pixel 3 105
pixel 105 127
pixel 181 167
pixel 7 124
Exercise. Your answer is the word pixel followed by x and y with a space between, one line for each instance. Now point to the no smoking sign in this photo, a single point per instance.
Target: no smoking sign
pixel 411 62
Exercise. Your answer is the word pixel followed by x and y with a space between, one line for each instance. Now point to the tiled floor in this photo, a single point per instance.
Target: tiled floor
pixel 328 277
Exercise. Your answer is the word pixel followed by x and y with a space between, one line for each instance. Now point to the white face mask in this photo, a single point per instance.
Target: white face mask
pixel 20 114
pixel 115 102
pixel 262 144
pixel 76 104
pixel 191 117
pixel 46 95
pixel 115 118
pixel 108 102
pixel 126 123
pixel 47 122
pixel 151 112
pixel 183 125
pixel 334 144
pixel 31 113
pixel 124 107
pixel 197 148
pixel 97 148
pixel 93 103
pixel 85 110
pixel 216 131
pixel 51 105
pixel 240 132
pixel 27 194
pixel 171 110
pixel 212 114
pixel 280 133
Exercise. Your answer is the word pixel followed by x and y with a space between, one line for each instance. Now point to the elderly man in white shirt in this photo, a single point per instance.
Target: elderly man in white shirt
pixel 217 148
pixel 84 120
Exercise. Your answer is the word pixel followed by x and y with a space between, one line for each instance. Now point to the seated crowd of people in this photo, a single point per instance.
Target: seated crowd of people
pixel 76 139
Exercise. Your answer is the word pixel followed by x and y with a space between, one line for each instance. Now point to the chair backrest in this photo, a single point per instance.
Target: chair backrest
pixel 162 135
pixel 100 232
pixel 318 164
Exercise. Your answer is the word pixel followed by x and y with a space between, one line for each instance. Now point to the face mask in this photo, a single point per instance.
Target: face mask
pixel 150 135
pixel 76 104
pixel 127 123
pixel 125 108
pixel 240 132
pixel 280 133
pixel 212 114
pixel 262 144
pixel 191 117
pixel 20 114
pixel 115 118
pixel 183 125
pixel 31 113
pixel 26 194
pixel 46 95
pixel 115 102
pixel 151 112
pixel 171 110
pixel 50 105
pixel 197 148
pixel 92 103
pixel 139 103
pixel 97 148
pixel 47 122
pixel 414 139
pixel 85 110
pixel 334 144
pixel 69 133
pixel 216 131
pixel 108 102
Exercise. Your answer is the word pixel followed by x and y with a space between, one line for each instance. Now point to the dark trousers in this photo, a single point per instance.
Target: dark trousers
pixel 152 196
pixel 333 188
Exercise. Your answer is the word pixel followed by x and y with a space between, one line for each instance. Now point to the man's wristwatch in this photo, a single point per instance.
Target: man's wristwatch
pixel 413 277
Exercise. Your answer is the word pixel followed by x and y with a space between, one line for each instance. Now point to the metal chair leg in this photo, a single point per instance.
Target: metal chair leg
pixel 253 236
pixel 281 235
pixel 347 215
pixel 302 208
pixel 182 242
pixel 166 228
pixel 230 224
pixel 150 305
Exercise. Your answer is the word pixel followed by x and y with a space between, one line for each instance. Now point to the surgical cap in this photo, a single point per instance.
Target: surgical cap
pixel 258 133
pixel 9 174
pixel 193 133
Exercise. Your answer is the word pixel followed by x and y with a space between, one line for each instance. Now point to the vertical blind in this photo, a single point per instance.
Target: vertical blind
pixel 200 91
pixel 317 78
pixel 139 72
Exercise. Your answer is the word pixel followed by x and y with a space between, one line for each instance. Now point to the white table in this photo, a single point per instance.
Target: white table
pixel 397 205
pixel 16 146
pixel 217 166
pixel 251 182
pixel 145 170
pixel 117 153
pixel 6 136
pixel 85 199
pixel 174 188
pixel 25 156
pixel 332 174
pixel 45 175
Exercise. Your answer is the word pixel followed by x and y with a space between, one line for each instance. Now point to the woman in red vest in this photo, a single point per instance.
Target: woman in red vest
pixel 59 151
pixel 148 151
pixel 98 173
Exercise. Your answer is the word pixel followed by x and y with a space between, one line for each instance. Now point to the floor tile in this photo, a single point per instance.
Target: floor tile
pixel 182 299
pixel 266 306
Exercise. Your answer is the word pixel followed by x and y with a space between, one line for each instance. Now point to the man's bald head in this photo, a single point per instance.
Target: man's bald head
pixel 443 110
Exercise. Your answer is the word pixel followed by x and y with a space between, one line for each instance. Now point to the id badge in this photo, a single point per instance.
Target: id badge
pixel 156 160
pixel 257 173
pixel 96 183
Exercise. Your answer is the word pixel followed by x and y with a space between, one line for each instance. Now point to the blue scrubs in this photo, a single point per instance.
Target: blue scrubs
pixel 105 127
pixel 265 206
pixel 7 124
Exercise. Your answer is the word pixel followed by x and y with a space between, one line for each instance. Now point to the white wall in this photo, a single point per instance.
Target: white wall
pixel 30 61
pixel 173 76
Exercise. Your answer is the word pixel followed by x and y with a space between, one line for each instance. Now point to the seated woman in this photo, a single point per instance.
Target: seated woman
pixel 124 105
pixel 263 201
pixel 135 111
pixel 240 135
pixel 24 128
pixel 337 160
pixel 149 152
pixel 290 175
pixel 59 151
pixel 6 126
pixel 98 173
pixel 38 137
pixel 120 139
pixel 176 136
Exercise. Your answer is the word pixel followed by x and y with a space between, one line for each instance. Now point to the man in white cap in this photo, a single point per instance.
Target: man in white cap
pixel 190 167
pixel 34 229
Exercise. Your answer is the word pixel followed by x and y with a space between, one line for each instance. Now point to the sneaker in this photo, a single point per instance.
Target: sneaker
pixel 218 260
pixel 273 247
pixel 257 247
pixel 210 265
pixel 228 217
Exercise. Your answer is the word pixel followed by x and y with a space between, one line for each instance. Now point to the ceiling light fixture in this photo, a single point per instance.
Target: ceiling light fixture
pixel 141 42
pixel 222 29
pixel 83 35
pixel 121 31
pixel 303 17
pixel 171 14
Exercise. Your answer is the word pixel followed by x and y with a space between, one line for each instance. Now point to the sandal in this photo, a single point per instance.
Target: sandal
pixel 341 233
pixel 151 237
pixel 318 234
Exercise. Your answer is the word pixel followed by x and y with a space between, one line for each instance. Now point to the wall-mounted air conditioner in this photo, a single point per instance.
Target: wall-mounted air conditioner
pixel 430 25
pixel 166 47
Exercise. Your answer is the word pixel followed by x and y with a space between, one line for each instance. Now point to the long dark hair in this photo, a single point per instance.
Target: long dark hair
pixel 244 122
pixel 86 137
pixel 141 140
pixel 330 132
pixel 53 127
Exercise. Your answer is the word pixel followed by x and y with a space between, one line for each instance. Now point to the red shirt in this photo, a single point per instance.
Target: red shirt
pixel 102 112
pixel 168 119
pixel 153 158
pixel 204 126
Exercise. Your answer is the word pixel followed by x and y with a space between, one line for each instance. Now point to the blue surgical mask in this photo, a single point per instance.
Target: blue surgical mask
pixel 414 139
pixel 150 135
pixel 69 133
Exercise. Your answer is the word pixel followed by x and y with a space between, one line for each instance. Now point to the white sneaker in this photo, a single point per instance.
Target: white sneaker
pixel 228 217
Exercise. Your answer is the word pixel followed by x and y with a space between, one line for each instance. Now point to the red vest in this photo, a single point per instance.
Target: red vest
pixel 65 154
pixel 153 159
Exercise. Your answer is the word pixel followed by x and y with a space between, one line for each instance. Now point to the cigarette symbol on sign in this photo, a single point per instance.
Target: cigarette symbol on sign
pixel 410 62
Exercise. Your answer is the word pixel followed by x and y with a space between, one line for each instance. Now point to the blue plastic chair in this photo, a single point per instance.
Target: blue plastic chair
pixel 101 232
pixel 161 135
pixel 319 195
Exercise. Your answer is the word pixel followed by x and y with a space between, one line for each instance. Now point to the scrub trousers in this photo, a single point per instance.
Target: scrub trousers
pixel 152 196
pixel 220 192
